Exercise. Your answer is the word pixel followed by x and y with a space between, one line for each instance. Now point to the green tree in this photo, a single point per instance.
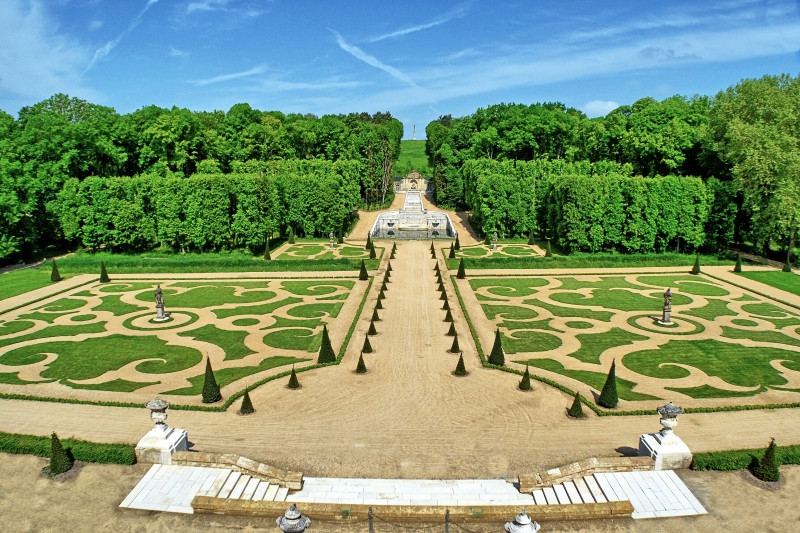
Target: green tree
pixel 497 356
pixel 361 368
pixel 608 396
pixel 525 383
pixel 211 393
pixel 576 409
pixel 247 404
pixel 767 469
pixel 326 354
pixel 60 460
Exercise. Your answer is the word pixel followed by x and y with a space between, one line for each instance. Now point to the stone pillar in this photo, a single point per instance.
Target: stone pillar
pixel 667 449
pixel 158 445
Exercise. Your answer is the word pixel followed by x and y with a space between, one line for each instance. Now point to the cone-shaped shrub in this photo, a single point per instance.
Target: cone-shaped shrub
pixel 291 235
pixel 446 306
pixel 326 354
pixel 54 275
pixel 389 266
pixel 375 317
pixel 362 275
pixel 497 357
pixel 525 383
pixel 103 273
pixel 461 273
pixel 372 330
pixel 211 392
pixel 361 368
pixel 433 248
pixel 738 266
pixel 394 247
pixel 378 305
pixel 372 254
pixel 460 370
pixel 457 244
pixel 487 240
pixel 367 346
pixel 436 267
pixel 786 267
pixel 384 287
pixel 576 410
pixel 386 276
pixel 608 396
pixel 438 276
pixel 767 468
pixel 293 383
pixel 247 404
pixel 60 460
pixel 531 242
pixel 440 288
pixel 452 253
pixel 443 296
pixel 454 347
pixel 381 296
pixel 391 255
pixel 448 317
pixel 368 246
pixel 548 251
pixel 452 331
pixel 696 267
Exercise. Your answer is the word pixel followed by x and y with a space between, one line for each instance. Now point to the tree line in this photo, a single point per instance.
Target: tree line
pixel 59 143
pixel 727 166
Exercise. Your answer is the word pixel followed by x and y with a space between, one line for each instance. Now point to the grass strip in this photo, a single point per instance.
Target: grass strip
pixel 740 459
pixel 88 452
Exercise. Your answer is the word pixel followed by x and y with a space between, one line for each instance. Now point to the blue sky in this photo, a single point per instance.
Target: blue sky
pixel 416 59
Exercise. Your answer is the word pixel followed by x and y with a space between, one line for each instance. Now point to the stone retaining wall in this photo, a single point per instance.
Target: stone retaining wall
pixel 587 467
pixel 276 476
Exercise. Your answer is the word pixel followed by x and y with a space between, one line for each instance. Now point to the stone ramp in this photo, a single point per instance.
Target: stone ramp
pixel 172 488
pixel 653 494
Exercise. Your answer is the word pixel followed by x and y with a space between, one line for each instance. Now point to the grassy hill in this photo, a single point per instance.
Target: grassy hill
pixel 412 157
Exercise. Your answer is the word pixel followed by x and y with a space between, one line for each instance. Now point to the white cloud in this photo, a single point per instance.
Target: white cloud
pixel 207 5
pixel 95 25
pixel 599 108
pixel 233 76
pixel 459 11
pixel 106 49
pixel 373 61
pixel 36 61
pixel 176 52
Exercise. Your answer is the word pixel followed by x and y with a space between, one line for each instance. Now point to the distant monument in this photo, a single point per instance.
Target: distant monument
pixel 161 316
pixel 665 448
pixel 158 445
pixel 667 309
pixel 413 222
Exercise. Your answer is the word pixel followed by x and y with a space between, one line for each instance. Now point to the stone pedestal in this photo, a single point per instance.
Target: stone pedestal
pixel 158 445
pixel 668 451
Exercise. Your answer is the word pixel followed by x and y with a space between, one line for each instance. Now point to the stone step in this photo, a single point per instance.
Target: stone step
pixel 238 489
pixel 250 489
pixel 271 492
pixel 280 496
pixel 261 489
pixel 233 478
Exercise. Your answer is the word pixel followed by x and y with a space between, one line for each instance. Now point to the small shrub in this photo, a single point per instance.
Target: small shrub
pixel 54 275
pixel 291 236
pixel 461 273
pixel 454 347
pixel 696 267
pixel 448 317
pixel 247 404
pixel 452 253
pixel 389 267
pixel 436 267
pixel 384 287
pixel 60 460
pixel 378 305
pixel 525 383
pixel 326 354
pixel 368 245
pixel 786 267
pixel 394 247
pixel 267 256
pixel 103 273
pixel 531 241
pixel 440 288
pixel 367 348
pixel 738 266
pixel 372 330
pixel 608 396
pixel 433 249
pixel 443 296
pixel 363 275
pixel 460 370
pixel 576 410
pixel 372 254
pixel 211 392
pixel 767 468
pixel 452 331
pixel 361 368
pixel 293 383
pixel 497 357
pixel 381 296
pixel 446 306
pixel 548 250
pixel 487 240
pixel 375 317
pixel 457 243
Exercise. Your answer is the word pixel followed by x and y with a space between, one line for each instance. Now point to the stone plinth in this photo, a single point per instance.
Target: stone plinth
pixel 667 450
pixel 158 445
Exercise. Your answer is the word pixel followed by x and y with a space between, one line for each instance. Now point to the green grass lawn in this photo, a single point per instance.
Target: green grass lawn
pixel 412 157
pixel 785 281
pixel 23 280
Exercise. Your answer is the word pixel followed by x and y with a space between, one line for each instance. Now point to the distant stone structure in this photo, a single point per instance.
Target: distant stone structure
pixel 413 222
pixel 666 311
pixel 158 445
pixel 665 448
pixel 413 181
pixel 161 316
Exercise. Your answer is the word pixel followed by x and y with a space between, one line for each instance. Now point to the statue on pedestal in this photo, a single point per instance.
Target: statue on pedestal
pixel 494 241
pixel 667 309
pixel 161 316
pixel 332 239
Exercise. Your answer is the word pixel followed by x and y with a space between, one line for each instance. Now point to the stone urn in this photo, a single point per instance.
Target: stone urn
pixel 669 417
pixel 293 521
pixel 522 524
pixel 158 412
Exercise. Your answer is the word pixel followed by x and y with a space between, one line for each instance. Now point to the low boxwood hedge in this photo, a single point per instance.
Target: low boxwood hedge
pixel 741 459
pixel 88 452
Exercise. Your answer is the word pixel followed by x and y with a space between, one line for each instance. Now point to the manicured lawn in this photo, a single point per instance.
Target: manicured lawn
pixel 23 280
pixel 786 281
pixel 225 376
pixel 413 157
pixel 592 345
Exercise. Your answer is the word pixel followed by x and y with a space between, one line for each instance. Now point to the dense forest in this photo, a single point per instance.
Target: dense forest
pixel 679 174
pixel 77 173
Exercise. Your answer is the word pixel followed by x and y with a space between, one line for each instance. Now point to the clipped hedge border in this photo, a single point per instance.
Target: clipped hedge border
pixel 88 452
pixel 748 289
pixel 740 459
pixel 208 408
pixel 599 260
pixel 591 405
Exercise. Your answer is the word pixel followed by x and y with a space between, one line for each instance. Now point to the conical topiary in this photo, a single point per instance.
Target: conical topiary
pixel 448 317
pixel 291 235
pixel 525 383
pixel 461 273
pixel 363 275
pixel 391 255
pixel 372 254
pixel 446 306
pixel 454 347
pixel 381 296
pixel 375 317
pixel 60 460
pixel 487 240
pixel 436 267
pixel 378 305
pixel 247 404
pixel 211 392
pixel 372 330
pixel 433 248
pixel 576 410
pixel 394 247
pixel 293 383
pixel 386 276
pixel 443 296
pixel 786 267
pixel 389 266
pixel 54 275
pixel 767 468
pixel 367 345
pixel 696 267
pixel 608 396
pixel 452 331
pixel 457 244
pixel 531 241
pixel 738 266
pixel 326 354
pixel 103 273
pixel 361 368
pixel 548 251
pixel 383 286
pixel 440 288
pixel 452 253
pixel 460 370
pixel 497 356
pixel 368 246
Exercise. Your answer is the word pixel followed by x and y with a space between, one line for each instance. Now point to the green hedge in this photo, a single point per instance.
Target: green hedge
pixel 741 459
pixel 88 452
